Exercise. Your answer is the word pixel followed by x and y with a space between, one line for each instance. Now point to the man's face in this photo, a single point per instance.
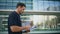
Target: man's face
pixel 21 9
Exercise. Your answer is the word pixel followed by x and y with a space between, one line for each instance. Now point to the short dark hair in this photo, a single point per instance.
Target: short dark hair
pixel 20 4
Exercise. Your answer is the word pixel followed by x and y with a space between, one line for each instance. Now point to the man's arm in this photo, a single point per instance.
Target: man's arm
pixel 18 29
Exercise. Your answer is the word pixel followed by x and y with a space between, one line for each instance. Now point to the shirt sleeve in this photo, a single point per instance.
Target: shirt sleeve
pixel 12 20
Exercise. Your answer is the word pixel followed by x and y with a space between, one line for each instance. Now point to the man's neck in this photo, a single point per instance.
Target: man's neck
pixel 17 12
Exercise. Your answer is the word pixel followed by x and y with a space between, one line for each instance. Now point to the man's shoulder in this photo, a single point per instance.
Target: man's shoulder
pixel 12 13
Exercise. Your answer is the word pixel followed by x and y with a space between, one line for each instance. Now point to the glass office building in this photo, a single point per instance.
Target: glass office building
pixel 11 4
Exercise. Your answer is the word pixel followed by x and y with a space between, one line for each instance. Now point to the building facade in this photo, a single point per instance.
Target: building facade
pixel 42 5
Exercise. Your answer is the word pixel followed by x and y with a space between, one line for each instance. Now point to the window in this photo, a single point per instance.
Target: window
pixel 46 5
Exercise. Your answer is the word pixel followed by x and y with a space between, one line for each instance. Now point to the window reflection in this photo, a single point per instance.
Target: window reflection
pixel 45 21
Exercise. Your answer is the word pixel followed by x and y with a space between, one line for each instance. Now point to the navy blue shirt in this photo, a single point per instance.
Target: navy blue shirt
pixel 14 19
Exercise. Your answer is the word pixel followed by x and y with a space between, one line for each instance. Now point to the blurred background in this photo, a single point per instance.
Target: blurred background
pixel 45 14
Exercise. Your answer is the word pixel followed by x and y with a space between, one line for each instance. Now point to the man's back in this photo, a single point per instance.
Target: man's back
pixel 14 19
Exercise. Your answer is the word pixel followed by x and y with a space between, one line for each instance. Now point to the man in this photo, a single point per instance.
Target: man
pixel 14 21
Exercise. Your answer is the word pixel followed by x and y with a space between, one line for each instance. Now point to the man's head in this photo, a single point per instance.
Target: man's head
pixel 20 7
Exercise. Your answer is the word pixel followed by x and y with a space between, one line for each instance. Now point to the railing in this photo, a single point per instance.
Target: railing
pixel 5 13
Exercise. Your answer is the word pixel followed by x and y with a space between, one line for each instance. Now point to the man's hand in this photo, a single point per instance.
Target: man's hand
pixel 27 27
